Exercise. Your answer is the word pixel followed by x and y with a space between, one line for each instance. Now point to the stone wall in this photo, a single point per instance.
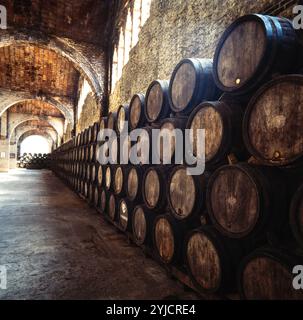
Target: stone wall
pixel 178 29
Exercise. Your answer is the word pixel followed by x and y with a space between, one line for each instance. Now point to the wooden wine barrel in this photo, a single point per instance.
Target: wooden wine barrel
pixel 112 121
pixel 267 274
pixel 87 172
pixel 247 201
pixel 86 136
pixel 100 178
pixel 272 127
pixel 112 209
pixel 186 194
pixel 134 183
pixel 167 132
pixel 92 153
pixel 93 173
pixel 125 209
pixel 157 104
pixel 191 83
pixel 154 187
pixel 102 126
pixel 122 117
pixel 119 180
pixel 103 200
pixel 108 177
pixel 222 123
pixel 142 225
pixel 91 193
pixel 137 118
pixel 296 216
pixel 212 260
pixel 86 189
pixel 95 132
pixel 168 237
pixel 89 134
pixel 96 191
pixel 270 48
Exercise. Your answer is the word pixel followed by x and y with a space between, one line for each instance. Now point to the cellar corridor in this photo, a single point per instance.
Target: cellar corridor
pixel 56 247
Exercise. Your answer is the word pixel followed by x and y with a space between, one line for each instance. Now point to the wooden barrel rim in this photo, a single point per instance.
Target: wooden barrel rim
pixel 137 240
pixel 256 185
pixel 272 254
pixel 125 109
pixel 141 98
pixel 220 251
pixel 132 198
pixel 270 49
pixel 155 169
pixel 286 78
pixel 226 124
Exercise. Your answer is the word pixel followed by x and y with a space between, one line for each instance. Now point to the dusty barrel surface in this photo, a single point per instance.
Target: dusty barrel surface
pixel 108 177
pixel 270 47
pixel 267 274
pixel 272 127
pixel 186 194
pixel 100 175
pixel 103 201
pixel 142 223
pixel 112 207
pixel 112 120
pixel 157 104
pixel 212 260
pixel 134 183
pixel 296 216
pixel 154 187
pixel 171 137
pixel 191 83
pixel 119 179
pixel 125 210
pixel 247 201
pixel 122 117
pixel 222 123
pixel 168 236
pixel 137 116
pixel 96 191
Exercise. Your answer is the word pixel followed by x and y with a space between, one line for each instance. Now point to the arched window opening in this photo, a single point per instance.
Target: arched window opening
pixel 35 144
pixel 128 37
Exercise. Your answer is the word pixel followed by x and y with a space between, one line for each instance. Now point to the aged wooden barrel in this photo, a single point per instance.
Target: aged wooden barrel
pixel 100 175
pixel 86 190
pixel 157 104
pixel 95 132
pixel 119 179
pixel 87 172
pixel 191 83
pixel 296 216
pixel 96 191
pixel 93 173
pixel 142 225
pixel 125 210
pixel 102 126
pixel 168 237
pixel 267 274
pixel 122 117
pixel 112 120
pixel 222 123
pixel 103 200
pixel 134 183
pixel 154 187
pixel 137 117
pixel 186 194
pixel 212 260
pixel 247 201
pixel 167 133
pixel 272 127
pixel 89 134
pixel 112 208
pixel 92 152
pixel 91 193
pixel 108 177
pixel 270 48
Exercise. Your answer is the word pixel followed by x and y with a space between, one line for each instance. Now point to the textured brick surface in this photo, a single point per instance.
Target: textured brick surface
pixel 177 29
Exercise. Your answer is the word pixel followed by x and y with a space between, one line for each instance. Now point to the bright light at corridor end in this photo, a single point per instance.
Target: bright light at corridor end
pixel 35 144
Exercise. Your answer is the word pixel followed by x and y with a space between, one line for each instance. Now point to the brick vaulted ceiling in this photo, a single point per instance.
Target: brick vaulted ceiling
pixel 39 69
pixel 80 20
pixel 36 107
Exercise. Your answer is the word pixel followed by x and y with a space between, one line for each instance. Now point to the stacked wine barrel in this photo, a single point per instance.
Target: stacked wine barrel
pixel 33 161
pixel 238 227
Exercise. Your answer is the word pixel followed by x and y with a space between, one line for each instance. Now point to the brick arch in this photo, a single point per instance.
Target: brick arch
pixel 40 132
pixel 10 98
pixel 91 68
pixel 26 118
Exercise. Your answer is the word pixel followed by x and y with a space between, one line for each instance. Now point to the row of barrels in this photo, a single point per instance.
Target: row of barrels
pixel 33 161
pixel 236 226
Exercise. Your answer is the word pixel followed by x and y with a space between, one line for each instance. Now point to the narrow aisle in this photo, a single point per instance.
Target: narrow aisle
pixel 55 246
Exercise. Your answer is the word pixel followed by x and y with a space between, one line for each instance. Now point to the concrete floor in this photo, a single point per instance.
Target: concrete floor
pixel 56 247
